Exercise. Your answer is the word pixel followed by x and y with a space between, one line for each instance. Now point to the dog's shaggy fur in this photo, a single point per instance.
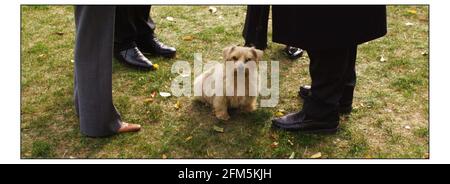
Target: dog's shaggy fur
pixel 240 56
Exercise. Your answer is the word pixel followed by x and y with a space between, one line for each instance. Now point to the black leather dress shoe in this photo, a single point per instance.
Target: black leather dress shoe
pixel 154 46
pixel 134 57
pixel 293 52
pixel 305 91
pixel 300 122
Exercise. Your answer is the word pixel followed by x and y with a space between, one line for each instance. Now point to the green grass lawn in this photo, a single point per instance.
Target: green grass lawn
pixel 390 118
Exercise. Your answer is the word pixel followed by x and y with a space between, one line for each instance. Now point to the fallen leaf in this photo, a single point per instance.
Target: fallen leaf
pixel 382 59
pixel 164 156
pixel 212 9
pixel 148 100
pixel 170 19
pixel 59 33
pixel 41 55
pixel 218 129
pixel 177 105
pixel 274 144
pixel 188 38
pixel 188 139
pixel 155 66
pixel 292 155
pixel 165 94
pixel 153 94
pixel 290 142
pixel 317 155
pixel 72 61
pixel 409 24
pixel 424 53
pixel 412 11
pixel 279 113
pixel 407 127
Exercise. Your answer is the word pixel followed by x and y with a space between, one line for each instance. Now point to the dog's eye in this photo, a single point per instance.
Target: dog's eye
pixel 234 58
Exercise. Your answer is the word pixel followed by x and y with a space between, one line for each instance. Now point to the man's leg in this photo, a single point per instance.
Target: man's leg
pixel 126 35
pixel 146 40
pixel 255 27
pixel 320 110
pixel 346 101
pixel 93 70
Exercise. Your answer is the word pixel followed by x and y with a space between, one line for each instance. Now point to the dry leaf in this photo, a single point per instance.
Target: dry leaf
pixel 148 100
pixel 72 61
pixel 274 144
pixel 409 24
pixel 59 33
pixel 188 139
pixel 164 156
pixel 41 55
pixel 412 11
pixel 170 19
pixel 382 59
pixel 153 95
pixel 290 142
pixel 424 53
pixel 188 38
pixel 407 127
pixel 317 155
pixel 218 129
pixel 292 155
pixel 165 94
pixel 279 113
pixel 177 105
pixel 212 9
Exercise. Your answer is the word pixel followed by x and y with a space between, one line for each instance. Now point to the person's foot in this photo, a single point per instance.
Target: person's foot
pixel 300 122
pixel 156 47
pixel 133 56
pixel 293 52
pixel 305 91
pixel 128 127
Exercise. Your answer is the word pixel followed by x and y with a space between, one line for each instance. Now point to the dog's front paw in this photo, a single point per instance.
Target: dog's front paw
pixel 222 116
pixel 249 108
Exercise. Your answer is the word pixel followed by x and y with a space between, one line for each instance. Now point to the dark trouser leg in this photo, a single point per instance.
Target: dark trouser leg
pixel 349 81
pixel 144 23
pixel 329 70
pixel 93 70
pixel 132 23
pixel 255 28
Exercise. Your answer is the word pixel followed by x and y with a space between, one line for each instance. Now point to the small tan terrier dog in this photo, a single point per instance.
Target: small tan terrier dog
pixel 239 60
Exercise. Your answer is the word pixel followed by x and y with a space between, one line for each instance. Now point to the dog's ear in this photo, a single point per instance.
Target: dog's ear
pixel 258 54
pixel 227 51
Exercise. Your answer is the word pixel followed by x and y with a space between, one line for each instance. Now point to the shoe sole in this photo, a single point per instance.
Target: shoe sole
pixel 131 65
pixel 321 131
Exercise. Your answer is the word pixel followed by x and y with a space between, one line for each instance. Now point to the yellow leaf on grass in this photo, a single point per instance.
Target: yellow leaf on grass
pixel 317 155
pixel 188 38
pixel 177 105
pixel 188 139
pixel 155 66
pixel 412 11
pixel 279 113
pixel 218 129
pixel 148 100
pixel 164 156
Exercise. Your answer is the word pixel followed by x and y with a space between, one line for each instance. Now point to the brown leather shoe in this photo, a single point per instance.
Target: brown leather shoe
pixel 127 127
